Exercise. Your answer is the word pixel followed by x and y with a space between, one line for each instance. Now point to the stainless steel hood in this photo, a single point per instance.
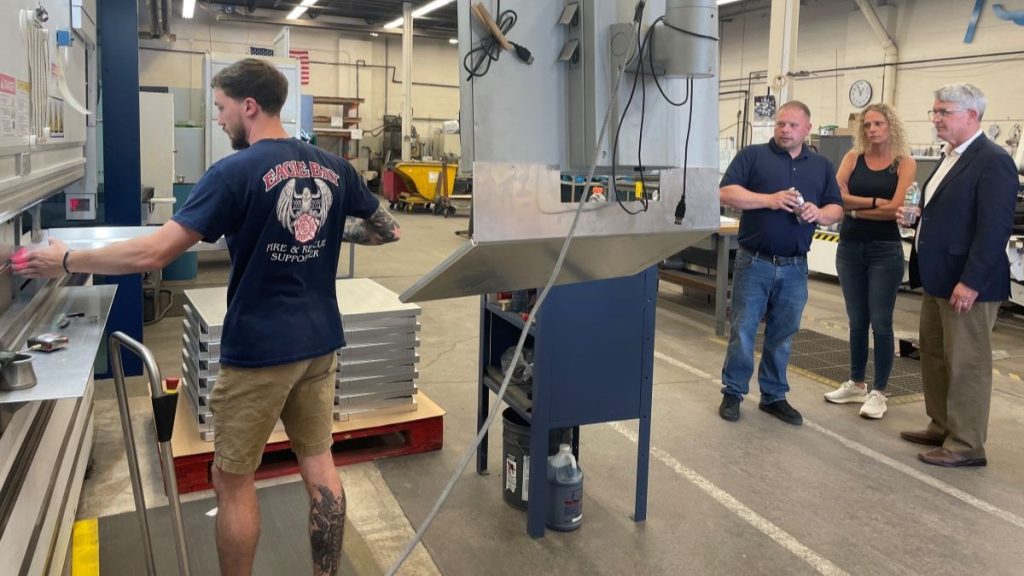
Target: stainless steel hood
pixel 520 224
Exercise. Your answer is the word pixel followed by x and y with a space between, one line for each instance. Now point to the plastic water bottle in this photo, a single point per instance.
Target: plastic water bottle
pixel 565 491
pixel 800 204
pixel 910 204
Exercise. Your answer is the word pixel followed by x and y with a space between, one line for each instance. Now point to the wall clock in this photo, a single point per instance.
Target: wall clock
pixel 860 93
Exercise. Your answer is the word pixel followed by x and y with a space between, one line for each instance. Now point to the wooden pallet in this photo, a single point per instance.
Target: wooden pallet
pixel 359 439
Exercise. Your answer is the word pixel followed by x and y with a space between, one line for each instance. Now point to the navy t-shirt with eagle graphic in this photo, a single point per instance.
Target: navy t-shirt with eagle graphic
pixel 281 206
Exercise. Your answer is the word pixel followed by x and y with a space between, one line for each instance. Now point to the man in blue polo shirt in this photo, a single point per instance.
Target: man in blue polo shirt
pixel 784 190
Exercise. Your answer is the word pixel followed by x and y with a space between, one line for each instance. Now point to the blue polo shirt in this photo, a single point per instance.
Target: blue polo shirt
pixel 767 169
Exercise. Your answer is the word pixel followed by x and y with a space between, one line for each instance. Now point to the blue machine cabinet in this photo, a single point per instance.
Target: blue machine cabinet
pixel 593 347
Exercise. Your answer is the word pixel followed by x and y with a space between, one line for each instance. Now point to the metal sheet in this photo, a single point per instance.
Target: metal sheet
pixel 66 373
pixel 495 267
pixel 379 350
pixel 520 225
pixel 350 413
pixel 367 381
pixel 207 349
pixel 365 299
pixel 209 306
pixel 100 236
pixel 394 388
pixel 349 407
pixel 361 301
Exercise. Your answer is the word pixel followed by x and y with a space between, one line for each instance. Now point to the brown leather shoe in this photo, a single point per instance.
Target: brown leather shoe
pixel 943 457
pixel 922 437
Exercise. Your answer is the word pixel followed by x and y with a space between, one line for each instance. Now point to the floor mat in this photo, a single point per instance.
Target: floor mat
pixel 283 547
pixel 826 359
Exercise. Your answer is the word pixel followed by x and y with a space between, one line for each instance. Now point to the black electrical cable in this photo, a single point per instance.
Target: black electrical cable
pixel 680 211
pixel 650 60
pixel 648 45
pixel 489 49
pixel 688 32
pixel 643 114
pixel 615 145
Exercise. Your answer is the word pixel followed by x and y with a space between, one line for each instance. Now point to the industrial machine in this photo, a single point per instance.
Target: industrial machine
pixel 524 126
pixel 611 91
pixel 47 97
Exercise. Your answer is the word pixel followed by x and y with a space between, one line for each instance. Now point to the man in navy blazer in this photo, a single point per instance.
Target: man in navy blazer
pixel 959 259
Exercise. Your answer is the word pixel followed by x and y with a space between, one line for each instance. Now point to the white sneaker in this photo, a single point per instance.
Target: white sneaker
pixel 874 406
pixel 848 392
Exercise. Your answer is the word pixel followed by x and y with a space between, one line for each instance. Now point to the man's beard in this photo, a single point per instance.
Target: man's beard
pixel 239 139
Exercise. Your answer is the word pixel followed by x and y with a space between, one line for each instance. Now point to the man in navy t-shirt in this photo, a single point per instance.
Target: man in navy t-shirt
pixel 281 204
pixel 784 190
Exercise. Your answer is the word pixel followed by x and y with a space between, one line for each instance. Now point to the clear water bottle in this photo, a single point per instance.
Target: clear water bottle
pixel 799 206
pixel 910 203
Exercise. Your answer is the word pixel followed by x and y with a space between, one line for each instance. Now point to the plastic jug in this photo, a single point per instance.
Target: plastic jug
pixel 565 491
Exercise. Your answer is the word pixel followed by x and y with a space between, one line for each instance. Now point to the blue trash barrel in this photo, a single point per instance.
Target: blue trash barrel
pixel 186 266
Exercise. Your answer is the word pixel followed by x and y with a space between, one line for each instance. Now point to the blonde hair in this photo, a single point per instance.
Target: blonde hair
pixel 897 136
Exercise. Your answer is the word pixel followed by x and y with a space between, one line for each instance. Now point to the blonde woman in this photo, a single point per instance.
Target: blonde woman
pixel 873 179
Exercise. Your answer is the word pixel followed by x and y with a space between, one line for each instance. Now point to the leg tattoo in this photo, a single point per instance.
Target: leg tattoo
pixel 327 529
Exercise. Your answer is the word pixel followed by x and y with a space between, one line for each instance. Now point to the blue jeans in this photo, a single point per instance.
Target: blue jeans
pixel 870 274
pixel 777 293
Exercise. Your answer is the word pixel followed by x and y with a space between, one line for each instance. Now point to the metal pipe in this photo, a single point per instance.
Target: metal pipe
pixel 888 46
pixel 407 82
pixel 165 18
pixel 133 461
pixel 154 18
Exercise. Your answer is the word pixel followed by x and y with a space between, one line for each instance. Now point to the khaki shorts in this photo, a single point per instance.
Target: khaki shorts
pixel 247 402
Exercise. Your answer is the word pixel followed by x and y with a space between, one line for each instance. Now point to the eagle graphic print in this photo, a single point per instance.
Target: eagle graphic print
pixel 304 212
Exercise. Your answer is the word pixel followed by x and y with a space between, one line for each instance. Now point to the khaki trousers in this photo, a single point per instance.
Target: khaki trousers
pixel 956 369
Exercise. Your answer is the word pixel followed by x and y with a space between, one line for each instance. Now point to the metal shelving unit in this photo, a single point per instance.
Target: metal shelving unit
pixel 593 346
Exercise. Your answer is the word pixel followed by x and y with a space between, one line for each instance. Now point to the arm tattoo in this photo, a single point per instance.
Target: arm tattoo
pixel 380 228
pixel 327 530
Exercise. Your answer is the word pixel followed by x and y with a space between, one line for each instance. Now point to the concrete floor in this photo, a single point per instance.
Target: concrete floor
pixel 840 495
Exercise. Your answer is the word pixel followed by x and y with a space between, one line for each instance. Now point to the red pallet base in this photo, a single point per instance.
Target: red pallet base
pixel 350 447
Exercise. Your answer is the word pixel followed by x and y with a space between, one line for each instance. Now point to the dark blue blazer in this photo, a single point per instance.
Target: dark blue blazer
pixel 965 226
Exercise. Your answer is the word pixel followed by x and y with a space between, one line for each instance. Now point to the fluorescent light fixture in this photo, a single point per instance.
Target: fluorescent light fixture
pixel 296 12
pixel 453 40
pixel 374 34
pixel 421 11
pixel 188 8
pixel 308 3
pixel 722 2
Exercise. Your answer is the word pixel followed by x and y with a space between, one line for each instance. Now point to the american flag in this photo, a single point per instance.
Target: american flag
pixel 303 57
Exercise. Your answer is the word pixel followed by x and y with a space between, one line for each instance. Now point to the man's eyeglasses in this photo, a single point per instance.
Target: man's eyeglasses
pixel 943 113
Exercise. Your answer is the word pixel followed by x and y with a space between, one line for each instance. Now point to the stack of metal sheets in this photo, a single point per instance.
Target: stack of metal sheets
pixel 376 370
pixel 200 351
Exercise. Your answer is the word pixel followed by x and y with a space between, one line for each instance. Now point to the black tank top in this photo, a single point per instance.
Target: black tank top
pixel 870 183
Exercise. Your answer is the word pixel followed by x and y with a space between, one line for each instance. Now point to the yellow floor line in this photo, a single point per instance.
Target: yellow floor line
pixel 85 548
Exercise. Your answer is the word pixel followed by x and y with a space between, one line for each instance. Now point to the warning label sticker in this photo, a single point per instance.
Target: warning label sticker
pixel 14 107
pixel 510 473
